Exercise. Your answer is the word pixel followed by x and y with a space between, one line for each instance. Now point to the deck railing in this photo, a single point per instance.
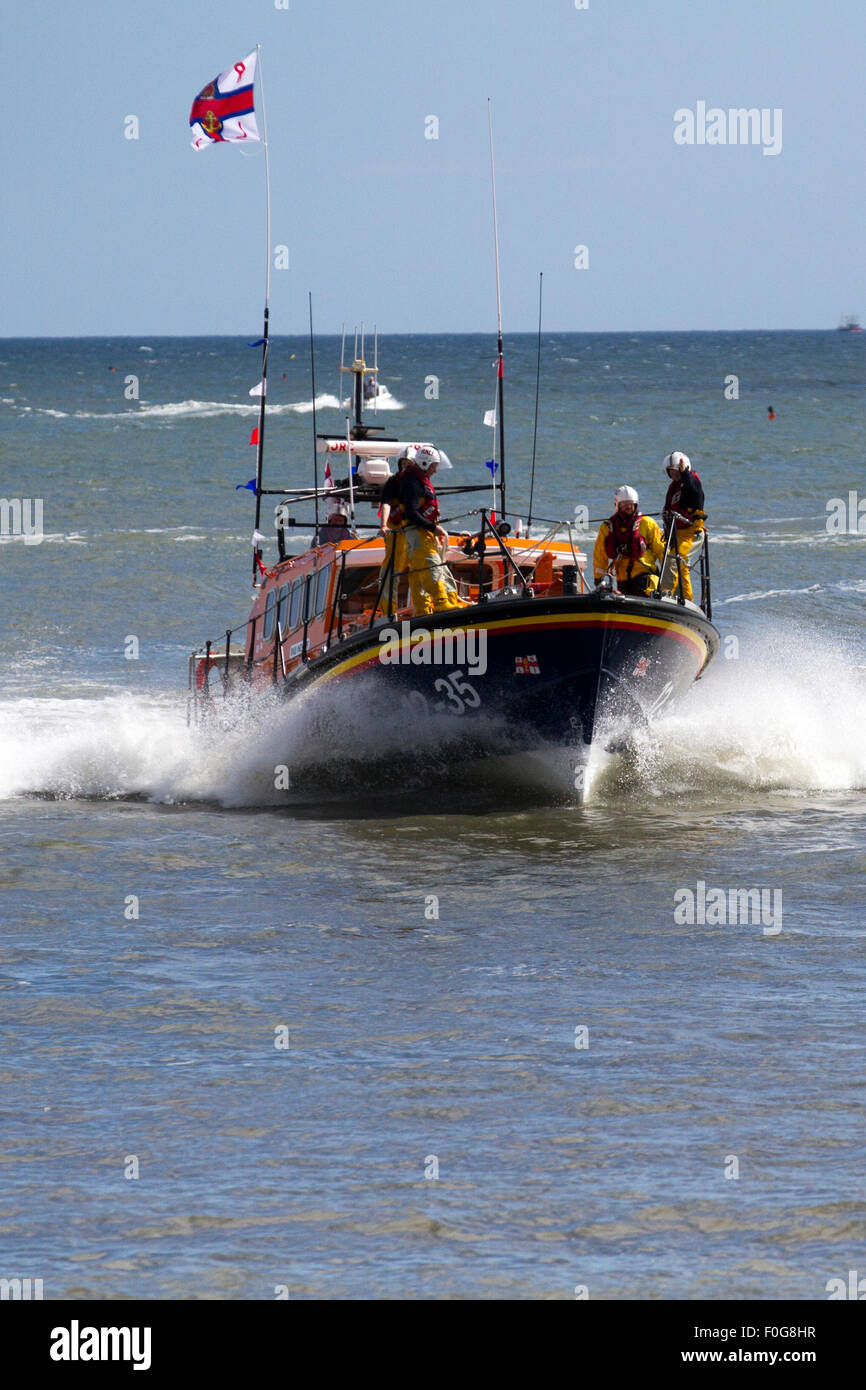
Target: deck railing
pixel 244 660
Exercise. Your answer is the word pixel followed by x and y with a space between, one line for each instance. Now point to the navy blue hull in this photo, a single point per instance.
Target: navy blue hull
pixel 542 670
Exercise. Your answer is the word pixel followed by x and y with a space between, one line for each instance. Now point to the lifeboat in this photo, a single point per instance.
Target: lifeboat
pixel 537 656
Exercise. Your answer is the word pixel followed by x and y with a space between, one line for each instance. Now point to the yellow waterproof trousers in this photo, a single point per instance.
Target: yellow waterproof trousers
pixel 396 562
pixel 685 540
pixel 431 583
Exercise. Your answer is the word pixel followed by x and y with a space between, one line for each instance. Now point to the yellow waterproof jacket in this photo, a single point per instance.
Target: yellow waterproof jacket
pixel 626 567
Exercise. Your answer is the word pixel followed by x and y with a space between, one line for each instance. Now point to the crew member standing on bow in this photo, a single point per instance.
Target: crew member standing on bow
pixel 392 522
pixel 684 506
pixel 628 545
pixel 430 581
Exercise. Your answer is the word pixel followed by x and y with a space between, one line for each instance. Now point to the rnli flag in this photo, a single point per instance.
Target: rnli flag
pixel 224 109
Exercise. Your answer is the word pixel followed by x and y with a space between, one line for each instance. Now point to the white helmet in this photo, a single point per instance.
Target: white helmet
pixel 677 460
pixel 338 508
pixel 625 494
pixel 426 457
pixel 407 453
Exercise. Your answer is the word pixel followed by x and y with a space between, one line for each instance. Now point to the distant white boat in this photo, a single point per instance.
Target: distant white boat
pixel 375 392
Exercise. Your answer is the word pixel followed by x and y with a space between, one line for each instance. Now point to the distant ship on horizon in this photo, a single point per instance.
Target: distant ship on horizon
pixel 849 323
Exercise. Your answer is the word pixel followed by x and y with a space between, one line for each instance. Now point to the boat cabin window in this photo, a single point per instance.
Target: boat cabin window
pixel 270 606
pixel 309 594
pixel 322 589
pixel 360 588
pixel 466 575
pixel 283 607
pixel 295 605
pixel 354 578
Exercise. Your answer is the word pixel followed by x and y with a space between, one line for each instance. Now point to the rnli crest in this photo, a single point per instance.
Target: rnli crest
pixel 210 122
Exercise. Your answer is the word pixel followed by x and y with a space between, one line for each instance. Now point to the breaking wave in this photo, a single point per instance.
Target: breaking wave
pixel 206 410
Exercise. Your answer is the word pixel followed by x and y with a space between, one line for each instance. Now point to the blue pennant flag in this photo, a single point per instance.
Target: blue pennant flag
pixel 251 485
pixel 260 342
pixel 492 465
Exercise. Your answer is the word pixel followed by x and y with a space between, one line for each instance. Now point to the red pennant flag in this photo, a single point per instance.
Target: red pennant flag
pixel 254 437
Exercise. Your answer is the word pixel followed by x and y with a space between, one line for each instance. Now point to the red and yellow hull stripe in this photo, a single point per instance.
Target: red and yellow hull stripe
pixel 678 632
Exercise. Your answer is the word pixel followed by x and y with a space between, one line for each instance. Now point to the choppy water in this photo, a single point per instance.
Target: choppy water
pixel 413 1035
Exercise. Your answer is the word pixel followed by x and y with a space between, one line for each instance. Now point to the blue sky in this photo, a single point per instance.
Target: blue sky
pixel 104 235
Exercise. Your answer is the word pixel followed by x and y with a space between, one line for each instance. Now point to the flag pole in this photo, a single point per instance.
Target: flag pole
pixel 264 386
pixel 500 365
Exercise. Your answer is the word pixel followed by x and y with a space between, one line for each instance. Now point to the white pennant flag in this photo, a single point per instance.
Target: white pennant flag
pixel 490 418
pixel 258 390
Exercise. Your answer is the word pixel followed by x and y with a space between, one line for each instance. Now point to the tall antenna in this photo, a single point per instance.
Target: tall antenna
pixel 537 386
pixel 500 365
pixel 376 368
pixel 315 456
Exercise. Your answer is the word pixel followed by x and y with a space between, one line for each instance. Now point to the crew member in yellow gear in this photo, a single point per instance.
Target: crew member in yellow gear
pixel 431 583
pixel 628 546
pixel 684 506
pixel 393 528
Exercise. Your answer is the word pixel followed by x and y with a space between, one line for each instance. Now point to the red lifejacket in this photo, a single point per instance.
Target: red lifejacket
pixel 428 507
pixel 624 538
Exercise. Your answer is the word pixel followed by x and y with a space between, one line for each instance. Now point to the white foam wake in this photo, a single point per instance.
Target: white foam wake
pixel 791 717
pixel 205 410
pixel 126 745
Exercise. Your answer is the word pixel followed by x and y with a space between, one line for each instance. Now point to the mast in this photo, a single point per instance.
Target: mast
pixel 315 453
pixel 359 368
pixel 358 371
pixel 500 364
pixel 537 387
pixel 260 448
pixel 351 479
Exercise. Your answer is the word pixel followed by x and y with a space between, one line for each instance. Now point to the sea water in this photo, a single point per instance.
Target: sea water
pixel 453 1033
